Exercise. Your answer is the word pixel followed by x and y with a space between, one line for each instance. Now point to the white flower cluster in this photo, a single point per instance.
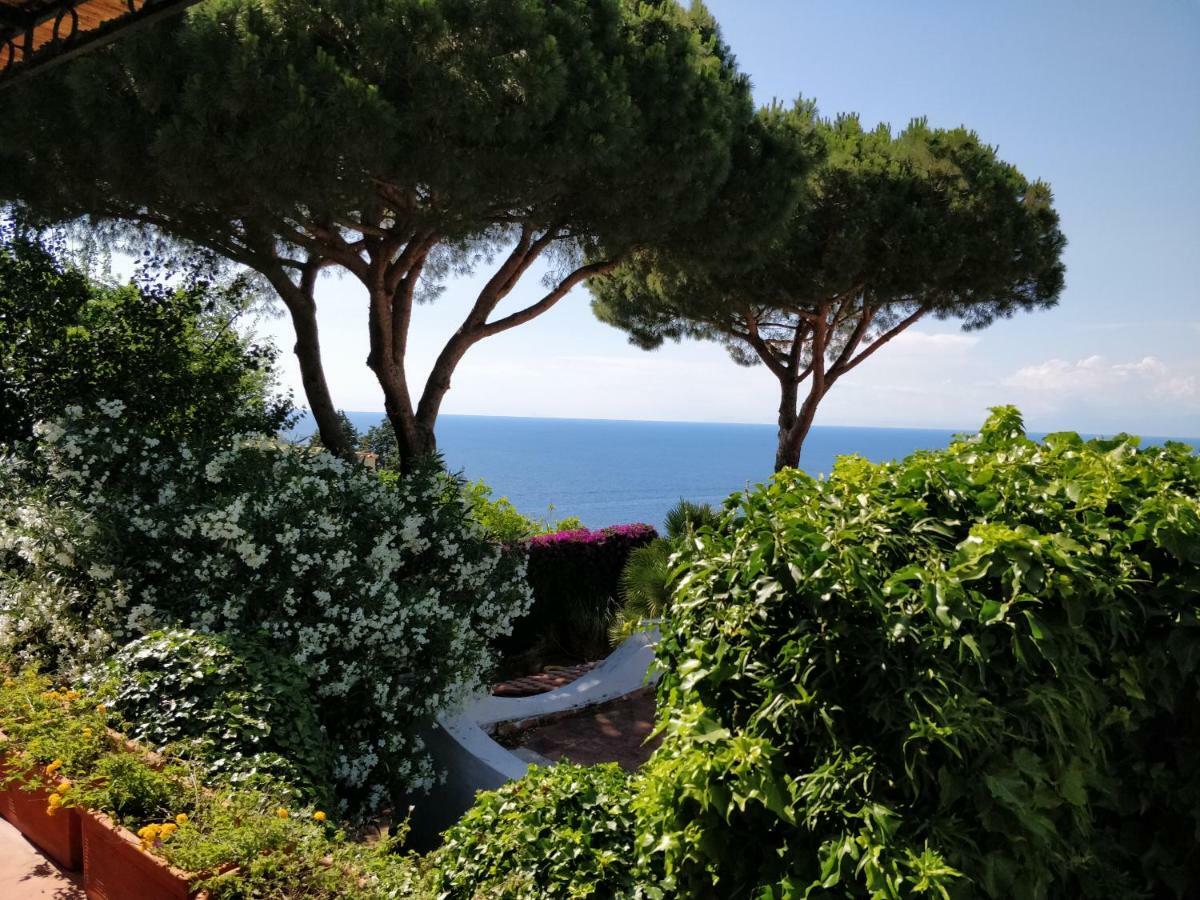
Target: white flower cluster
pixel 388 596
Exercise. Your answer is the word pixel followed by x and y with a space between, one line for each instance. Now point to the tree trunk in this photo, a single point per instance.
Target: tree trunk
pixel 301 304
pixel 414 441
pixel 791 439
pixel 312 376
pixel 788 394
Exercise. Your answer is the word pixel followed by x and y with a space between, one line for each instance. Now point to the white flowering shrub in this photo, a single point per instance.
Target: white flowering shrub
pixel 387 596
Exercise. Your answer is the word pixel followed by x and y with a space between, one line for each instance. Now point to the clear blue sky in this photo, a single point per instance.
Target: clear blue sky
pixel 1099 98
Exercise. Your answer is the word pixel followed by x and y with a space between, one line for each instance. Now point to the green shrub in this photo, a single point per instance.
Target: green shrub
pixel 387 598
pixel 283 852
pixel 238 709
pixel 645 588
pixel 48 727
pixel 133 793
pixel 647 577
pixel 504 522
pixel 574 577
pixel 972 673
pixel 166 351
pixel 246 840
pixel 561 832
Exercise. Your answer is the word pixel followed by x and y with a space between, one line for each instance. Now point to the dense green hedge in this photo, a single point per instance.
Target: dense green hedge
pixel 575 578
pixel 233 706
pixel 972 673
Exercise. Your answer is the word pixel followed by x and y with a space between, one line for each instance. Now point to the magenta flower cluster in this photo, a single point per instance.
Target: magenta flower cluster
pixel 575 576
pixel 637 531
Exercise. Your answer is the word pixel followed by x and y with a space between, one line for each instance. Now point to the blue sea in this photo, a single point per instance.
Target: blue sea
pixel 610 472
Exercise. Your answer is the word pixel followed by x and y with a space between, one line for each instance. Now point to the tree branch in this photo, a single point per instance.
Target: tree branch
pixel 883 339
pixel 852 342
pixel 522 316
pixel 762 348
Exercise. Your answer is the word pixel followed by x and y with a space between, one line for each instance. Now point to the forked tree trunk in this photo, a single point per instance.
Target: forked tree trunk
pixel 391 284
pixel 796 418
pixel 414 441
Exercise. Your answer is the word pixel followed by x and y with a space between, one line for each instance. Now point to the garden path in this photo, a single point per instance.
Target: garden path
pixel 610 732
pixel 26 873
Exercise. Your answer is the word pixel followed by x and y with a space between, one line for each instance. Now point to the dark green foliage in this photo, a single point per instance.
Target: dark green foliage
pixel 235 707
pixel 169 354
pixel 686 516
pixel 381 440
pixel 647 577
pixel 890 227
pixel 349 433
pixel 575 578
pixel 574 111
pixel 973 673
pixel 563 832
pixel 645 588
pixel 403 141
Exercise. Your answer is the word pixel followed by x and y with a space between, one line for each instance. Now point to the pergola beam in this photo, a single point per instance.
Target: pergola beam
pixel 38 34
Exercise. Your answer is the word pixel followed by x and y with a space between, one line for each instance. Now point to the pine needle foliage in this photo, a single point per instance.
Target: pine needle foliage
pixel 401 142
pixel 889 228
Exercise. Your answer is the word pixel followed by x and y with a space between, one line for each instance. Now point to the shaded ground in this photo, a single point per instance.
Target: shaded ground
pixel 24 872
pixel 609 732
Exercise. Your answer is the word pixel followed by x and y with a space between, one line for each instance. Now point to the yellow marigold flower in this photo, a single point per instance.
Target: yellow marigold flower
pixel 52 810
pixel 102 709
pixel 73 695
pixel 281 812
pixel 54 767
pixel 55 800
pixel 63 786
pixel 181 819
pixel 168 829
pixel 87 731
pixel 319 816
pixel 8 682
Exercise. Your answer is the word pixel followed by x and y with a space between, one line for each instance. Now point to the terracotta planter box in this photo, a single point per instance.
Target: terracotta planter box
pixel 58 836
pixel 115 867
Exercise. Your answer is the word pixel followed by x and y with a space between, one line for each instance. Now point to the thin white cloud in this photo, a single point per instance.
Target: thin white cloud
pixel 1147 395
pixel 1092 375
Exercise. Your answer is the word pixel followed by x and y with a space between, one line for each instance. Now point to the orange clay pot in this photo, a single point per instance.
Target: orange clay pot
pixel 58 836
pixel 115 867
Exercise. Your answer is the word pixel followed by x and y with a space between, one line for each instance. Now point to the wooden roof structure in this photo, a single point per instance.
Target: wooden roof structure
pixel 38 33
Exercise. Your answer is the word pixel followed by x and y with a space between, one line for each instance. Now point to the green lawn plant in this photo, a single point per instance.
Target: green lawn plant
pixel 971 673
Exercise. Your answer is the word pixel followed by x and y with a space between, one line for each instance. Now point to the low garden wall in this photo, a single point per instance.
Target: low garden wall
pixel 462 744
